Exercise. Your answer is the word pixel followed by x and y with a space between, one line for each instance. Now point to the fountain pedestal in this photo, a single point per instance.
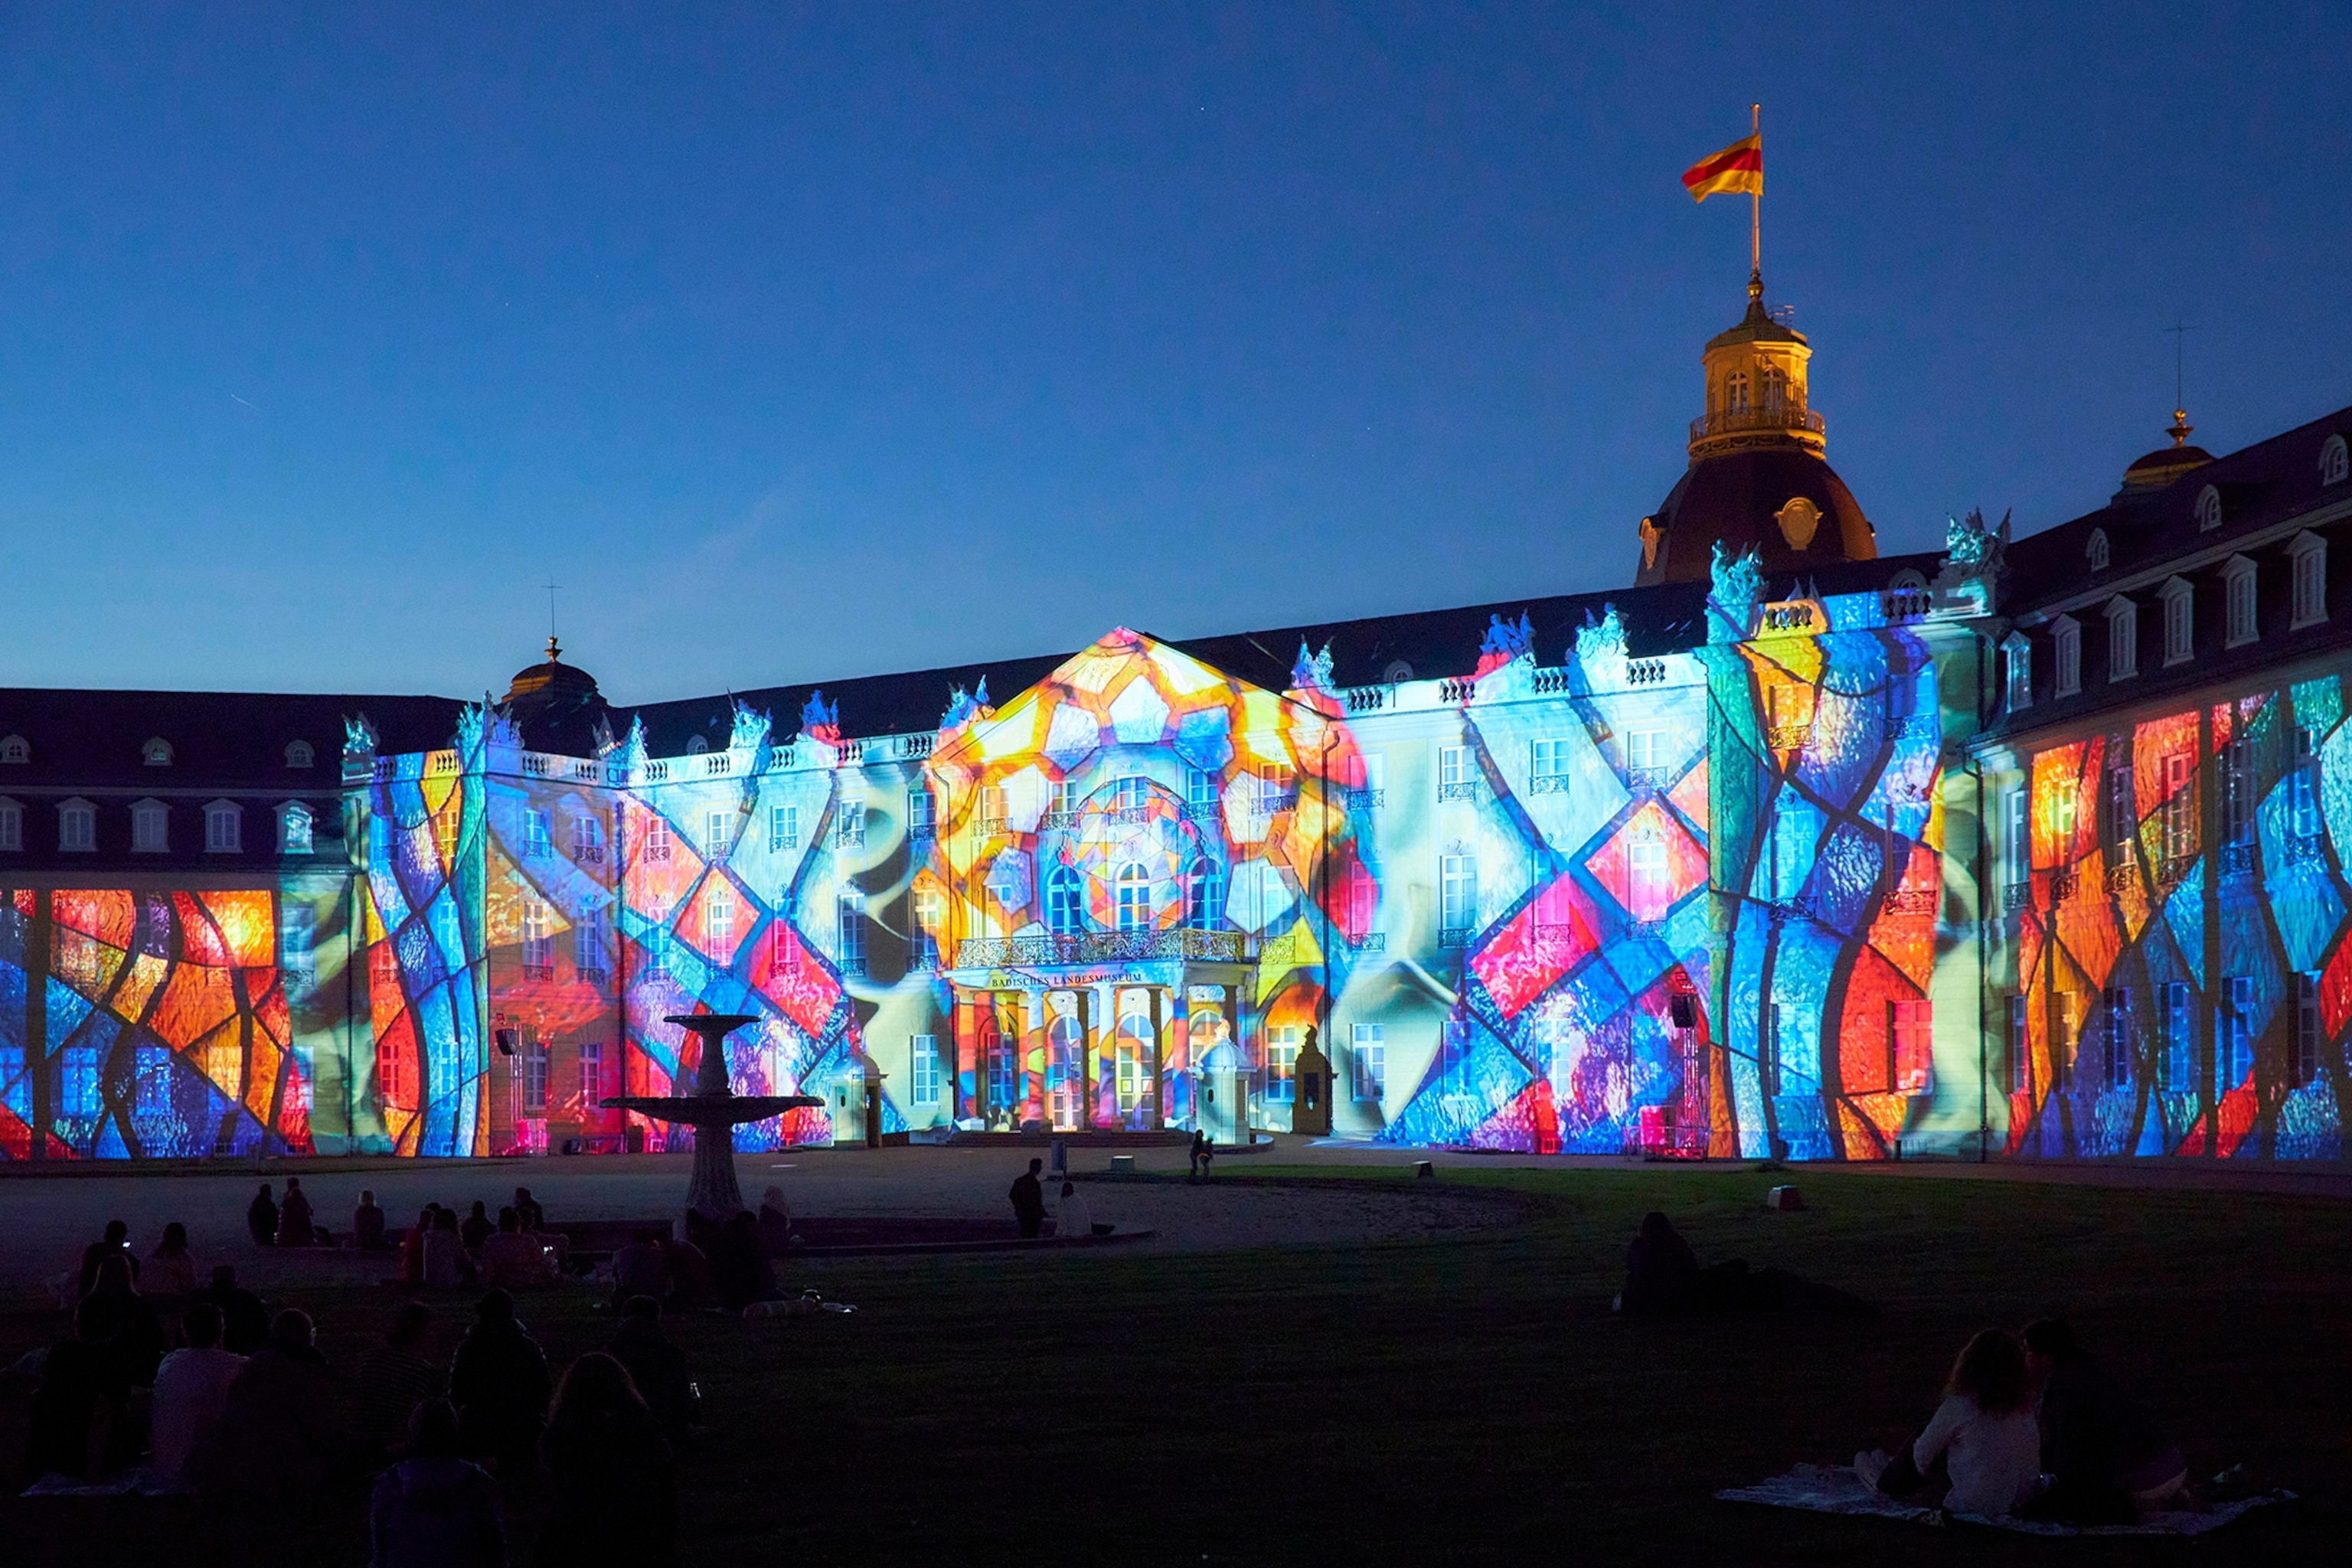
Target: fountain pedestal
pixel 713 1110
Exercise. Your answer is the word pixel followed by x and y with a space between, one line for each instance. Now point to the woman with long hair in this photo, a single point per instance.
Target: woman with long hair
pixel 605 1458
pixel 1984 1432
pixel 171 1268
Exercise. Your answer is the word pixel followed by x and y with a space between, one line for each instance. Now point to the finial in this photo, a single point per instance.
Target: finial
pixel 2180 428
pixel 554 651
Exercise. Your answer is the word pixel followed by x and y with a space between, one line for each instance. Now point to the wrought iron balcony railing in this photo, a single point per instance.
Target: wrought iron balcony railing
pixel 2238 859
pixel 1459 789
pixel 1099 946
pixel 1741 421
pixel 1547 784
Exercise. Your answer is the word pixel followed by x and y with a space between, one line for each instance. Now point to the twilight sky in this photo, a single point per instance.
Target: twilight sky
pixel 799 342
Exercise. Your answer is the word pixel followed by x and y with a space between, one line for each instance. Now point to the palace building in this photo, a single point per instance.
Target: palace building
pixel 2024 849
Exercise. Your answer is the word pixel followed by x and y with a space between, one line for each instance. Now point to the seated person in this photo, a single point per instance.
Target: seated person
pixel 641 1268
pixel 476 1228
pixel 277 1431
pixel 394 1378
pixel 1984 1433
pixel 434 1508
pixel 1662 1276
pixel 446 1266
pixel 528 1211
pixel 657 1366
pixel 80 1425
pixel 171 1269
pixel 244 1323
pixel 511 1260
pixel 295 1227
pixel 191 1392
pixel 1661 1271
pixel 500 1383
pixel 115 1243
pixel 739 1268
pixel 137 1333
pixel 411 1245
pixel 1071 1217
pixel 775 1222
pixel 368 1225
pixel 690 1279
pixel 2107 1458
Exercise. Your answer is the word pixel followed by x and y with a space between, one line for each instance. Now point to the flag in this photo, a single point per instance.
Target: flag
pixel 1737 169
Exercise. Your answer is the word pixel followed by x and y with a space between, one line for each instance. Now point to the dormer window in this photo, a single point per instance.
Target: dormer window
pixel 223 821
pixel 1397 673
pixel 2180 620
pixel 2335 462
pixel 2309 554
pixel 151 827
pixel 2021 672
pixel 299 755
pixel 2122 639
pixel 2094 553
pixel 15 749
pixel 696 746
pixel 156 752
pixel 2208 509
pixel 2066 651
pixel 294 829
pixel 2238 602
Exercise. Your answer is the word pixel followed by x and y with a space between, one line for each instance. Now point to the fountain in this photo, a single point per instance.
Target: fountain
pixel 713 1110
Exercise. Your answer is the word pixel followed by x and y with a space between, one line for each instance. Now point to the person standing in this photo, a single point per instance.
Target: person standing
pixel 261 1218
pixel 657 1366
pixel 1028 1195
pixel 191 1392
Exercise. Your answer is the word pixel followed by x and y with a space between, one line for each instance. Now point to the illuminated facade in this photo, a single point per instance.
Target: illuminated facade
pixel 2022 849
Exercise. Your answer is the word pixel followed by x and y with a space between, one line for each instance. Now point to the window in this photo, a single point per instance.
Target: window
pixel 78 827
pixel 537 843
pixel 2208 509
pixel 1132 888
pixel 718 835
pixel 851 925
pixel 2066 652
pixel 2116 1058
pixel 2178 1072
pixel 587 841
pixel 2303 1068
pixel 2122 639
pixel 12 826
pixel 78 1096
pixel 534 1071
pixel 1457 897
pixel 1065 901
pixel 1204 894
pixel 222 828
pixel 298 944
pixel 588 942
pixel 1646 876
pixel 2016 843
pixel 2238 798
pixel 150 828
pixel 849 828
pixel 1735 392
pixel 2021 672
pixel 2303 786
pixel 923 1066
pixel 1796 833
pixel 2123 813
pixel 593 1087
pixel 16 750
pixel 2309 555
pixel 1369 1064
pixel 784 828
pixel 1363 900
pixel 1200 787
pixel 658 953
pixel 298 754
pixel 2335 462
pixel 294 829
pixel 156 752
pixel 1551 771
pixel 2234 1051
pixel 2238 602
pixel 1912 1034
pixel 151 1088
pixel 928 909
pixel 2179 621
pixel 1645 751
pixel 1281 1063
pixel 1456 775
pixel 1767 1055
pixel 918 812
pixel 537 940
pixel 1133 793
pixel 657 840
pixel 2180 808
pixel 2020 1063
pixel 718 919
pixel 2065 1033
pixel 2094 552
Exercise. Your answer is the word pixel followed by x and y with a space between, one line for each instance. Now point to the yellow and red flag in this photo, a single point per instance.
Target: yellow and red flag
pixel 1737 169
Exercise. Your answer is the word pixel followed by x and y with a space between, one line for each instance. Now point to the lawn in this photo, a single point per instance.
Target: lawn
pixel 1464 1399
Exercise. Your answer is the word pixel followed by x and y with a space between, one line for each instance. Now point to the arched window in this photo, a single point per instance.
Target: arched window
pixel 1735 392
pixel 1065 901
pixel 298 754
pixel 156 752
pixel 1133 888
pixel 2335 462
pixel 696 746
pixel 15 749
pixel 2208 509
pixel 1776 387
pixel 1204 894
pixel 2094 552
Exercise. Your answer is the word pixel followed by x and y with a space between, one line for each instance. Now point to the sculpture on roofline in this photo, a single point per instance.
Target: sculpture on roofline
pixel 1601 644
pixel 1311 671
pixel 1738 588
pixel 821 722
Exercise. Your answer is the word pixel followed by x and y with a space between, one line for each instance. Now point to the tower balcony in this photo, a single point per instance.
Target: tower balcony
pixel 1731 429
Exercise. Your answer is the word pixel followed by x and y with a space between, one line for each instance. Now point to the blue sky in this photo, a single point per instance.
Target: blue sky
pixel 800 342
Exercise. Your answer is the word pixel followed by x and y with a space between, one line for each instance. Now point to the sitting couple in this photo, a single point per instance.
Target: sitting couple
pixel 2012 1412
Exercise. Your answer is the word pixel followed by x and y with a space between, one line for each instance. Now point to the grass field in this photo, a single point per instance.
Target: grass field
pixel 1460 1400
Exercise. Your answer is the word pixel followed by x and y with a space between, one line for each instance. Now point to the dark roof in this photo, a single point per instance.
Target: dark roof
pixel 1734 498
pixel 225 739
pixel 558 707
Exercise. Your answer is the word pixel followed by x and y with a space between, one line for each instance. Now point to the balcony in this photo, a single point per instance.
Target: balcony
pixel 1455 936
pixel 1652 780
pixel 850 833
pixel 2123 877
pixel 2063 882
pixel 1460 789
pixel 1911 901
pixel 1789 737
pixel 1547 784
pixel 1367 799
pixel 1098 947
pixel 2306 849
pixel 1788 419
pixel 538 972
pixel 1371 942
pixel 2015 897
pixel 594 974
pixel 2238 859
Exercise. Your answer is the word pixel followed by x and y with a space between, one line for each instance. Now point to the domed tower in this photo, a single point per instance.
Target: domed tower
pixel 557 706
pixel 2158 468
pixel 1757 477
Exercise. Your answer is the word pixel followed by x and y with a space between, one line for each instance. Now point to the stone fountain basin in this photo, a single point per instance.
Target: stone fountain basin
pixel 710 1108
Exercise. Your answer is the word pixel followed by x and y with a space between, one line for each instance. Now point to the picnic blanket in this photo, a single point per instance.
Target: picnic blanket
pixel 1836 1489
pixel 124 1483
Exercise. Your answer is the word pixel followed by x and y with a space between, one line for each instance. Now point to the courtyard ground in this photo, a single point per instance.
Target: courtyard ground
pixel 1326 1359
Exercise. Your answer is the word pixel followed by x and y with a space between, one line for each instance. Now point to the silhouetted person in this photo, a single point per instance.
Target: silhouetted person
pixel 244 1323
pixel 434 1508
pixel 605 1455
pixel 411 1245
pixel 295 1227
pixel 261 1218
pixel 500 1384
pixel 138 1336
pixel 1203 1151
pixel 1662 1276
pixel 171 1271
pixel 656 1365
pixel 511 1260
pixel 1983 1433
pixel 115 1243
pixel 394 1379
pixel 690 1281
pixel 1661 1271
pixel 738 1266
pixel 1028 1195
pixel 80 1425
pixel 528 1212
pixel 477 1227
pixel 191 1394
pixel 641 1268
pixel 2107 1456
pixel 368 1225
pixel 446 1266
pixel 775 1224
pixel 277 1435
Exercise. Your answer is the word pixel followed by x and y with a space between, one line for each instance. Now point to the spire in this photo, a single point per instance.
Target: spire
pixel 2180 428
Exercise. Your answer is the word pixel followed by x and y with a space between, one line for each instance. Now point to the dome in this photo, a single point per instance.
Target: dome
pixel 557 706
pixel 2166 464
pixel 1785 503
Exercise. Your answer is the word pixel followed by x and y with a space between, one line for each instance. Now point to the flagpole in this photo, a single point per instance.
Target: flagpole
pixel 1756 198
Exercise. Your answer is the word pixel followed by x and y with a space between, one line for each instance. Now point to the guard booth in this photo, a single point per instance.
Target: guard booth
pixel 856 1103
pixel 1224 1095
pixel 1310 1110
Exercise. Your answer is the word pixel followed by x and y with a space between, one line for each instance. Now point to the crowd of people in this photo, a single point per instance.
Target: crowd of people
pixel 213 1391
pixel 2029 1423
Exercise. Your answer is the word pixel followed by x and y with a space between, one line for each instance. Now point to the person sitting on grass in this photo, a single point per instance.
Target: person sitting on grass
pixel 1662 1279
pixel 138 1335
pixel 394 1379
pixel 171 1268
pixel 656 1365
pixel 114 1243
pixel 511 1260
pixel 739 1267
pixel 277 1435
pixel 446 1266
pixel 368 1224
pixel 775 1222
pixel 1983 1433
pixel 411 1245
pixel 244 1323
pixel 500 1384
pixel 641 1268
pixel 434 1508
pixel 1071 1215
pixel 261 1218
pixel 690 1281
pixel 295 1226
pixel 526 1210
pixel 191 1392
pixel 477 1227
pixel 80 1420
pixel 2107 1460
pixel 605 1455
